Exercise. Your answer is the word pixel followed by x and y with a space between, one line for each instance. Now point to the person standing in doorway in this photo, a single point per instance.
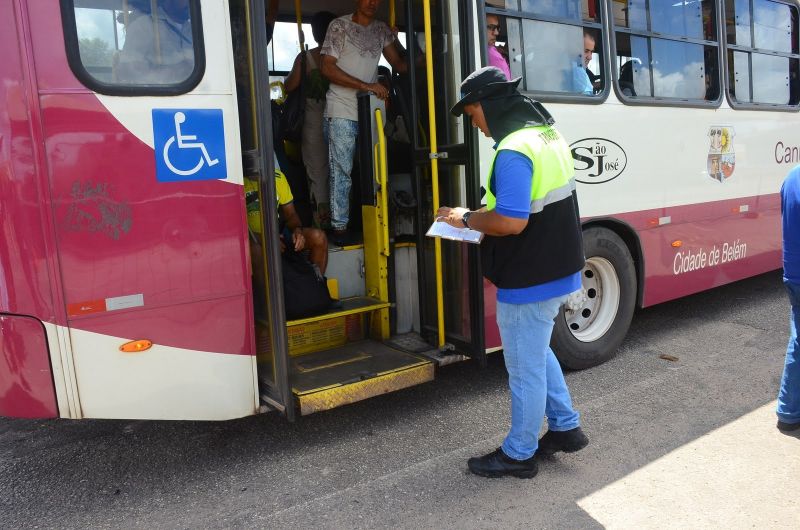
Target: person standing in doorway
pixel 314 148
pixel 495 57
pixel 353 46
pixel 533 252
pixel 789 394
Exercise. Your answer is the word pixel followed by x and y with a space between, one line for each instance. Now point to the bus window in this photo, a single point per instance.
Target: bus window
pixel 763 58
pixel 120 46
pixel 556 47
pixel 285 46
pixel 668 53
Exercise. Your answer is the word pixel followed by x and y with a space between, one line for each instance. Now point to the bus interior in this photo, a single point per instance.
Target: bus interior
pixel 388 328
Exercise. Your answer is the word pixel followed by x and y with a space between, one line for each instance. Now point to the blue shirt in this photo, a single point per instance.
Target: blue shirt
pixel 790 216
pixel 513 193
pixel 581 82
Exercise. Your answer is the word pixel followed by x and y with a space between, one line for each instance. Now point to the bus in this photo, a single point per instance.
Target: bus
pixel 136 136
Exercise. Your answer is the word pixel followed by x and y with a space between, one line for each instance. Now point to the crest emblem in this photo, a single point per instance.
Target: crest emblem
pixel 721 161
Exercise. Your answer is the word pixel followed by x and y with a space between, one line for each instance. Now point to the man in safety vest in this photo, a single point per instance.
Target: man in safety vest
pixel 533 252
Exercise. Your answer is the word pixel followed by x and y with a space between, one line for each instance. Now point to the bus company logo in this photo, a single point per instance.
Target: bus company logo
pixel 598 160
pixel 721 160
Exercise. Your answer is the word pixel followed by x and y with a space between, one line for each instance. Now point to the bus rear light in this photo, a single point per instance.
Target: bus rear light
pixel 677 243
pixel 136 346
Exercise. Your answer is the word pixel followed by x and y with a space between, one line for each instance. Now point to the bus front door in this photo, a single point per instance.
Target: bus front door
pixel 445 168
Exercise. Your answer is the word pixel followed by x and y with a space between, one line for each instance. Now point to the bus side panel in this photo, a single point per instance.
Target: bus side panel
pixel 26 378
pixel 712 252
pixel 24 283
pixel 26 383
pixel 128 242
pixel 147 259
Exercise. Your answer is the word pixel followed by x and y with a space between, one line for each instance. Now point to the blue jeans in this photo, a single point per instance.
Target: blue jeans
pixel 789 394
pixel 534 375
pixel 341 135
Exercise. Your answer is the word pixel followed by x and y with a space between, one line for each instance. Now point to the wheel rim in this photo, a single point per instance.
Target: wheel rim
pixel 598 303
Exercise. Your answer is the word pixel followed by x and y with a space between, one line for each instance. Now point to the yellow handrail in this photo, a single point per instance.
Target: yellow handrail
pixel 392 14
pixel 426 7
pixel 298 13
pixel 382 172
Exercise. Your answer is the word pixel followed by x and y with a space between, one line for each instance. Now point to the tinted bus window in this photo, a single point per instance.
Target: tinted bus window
pixel 667 50
pixel 125 44
pixel 763 58
pixel 556 47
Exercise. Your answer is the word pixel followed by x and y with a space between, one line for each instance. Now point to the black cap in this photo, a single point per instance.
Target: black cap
pixel 482 83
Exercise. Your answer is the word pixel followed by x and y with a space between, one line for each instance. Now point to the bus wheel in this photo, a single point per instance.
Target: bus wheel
pixel 594 321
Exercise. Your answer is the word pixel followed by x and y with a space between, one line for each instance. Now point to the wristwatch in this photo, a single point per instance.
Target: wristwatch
pixel 465 218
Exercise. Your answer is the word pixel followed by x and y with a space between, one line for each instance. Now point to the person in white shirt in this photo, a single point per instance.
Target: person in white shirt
pixel 353 46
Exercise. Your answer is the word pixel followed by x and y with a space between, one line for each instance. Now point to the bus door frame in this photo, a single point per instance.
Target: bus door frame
pixel 462 154
pixel 278 394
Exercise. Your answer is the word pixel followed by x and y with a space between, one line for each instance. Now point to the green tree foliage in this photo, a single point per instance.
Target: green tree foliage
pixel 95 52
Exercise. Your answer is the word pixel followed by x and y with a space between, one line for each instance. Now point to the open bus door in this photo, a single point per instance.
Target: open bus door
pixel 445 173
pixel 354 350
pixel 250 44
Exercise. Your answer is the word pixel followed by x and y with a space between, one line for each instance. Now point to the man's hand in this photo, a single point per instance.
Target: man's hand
pixel 379 90
pixel 298 239
pixel 451 216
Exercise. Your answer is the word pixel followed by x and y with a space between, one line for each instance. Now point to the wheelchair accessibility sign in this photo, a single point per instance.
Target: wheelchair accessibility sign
pixel 189 144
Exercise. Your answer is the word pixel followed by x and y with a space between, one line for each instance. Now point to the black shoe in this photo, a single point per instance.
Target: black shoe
pixel 344 238
pixel 788 427
pixel 497 464
pixel 567 441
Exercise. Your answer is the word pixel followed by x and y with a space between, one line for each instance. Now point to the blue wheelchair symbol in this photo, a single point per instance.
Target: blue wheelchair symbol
pixel 189 144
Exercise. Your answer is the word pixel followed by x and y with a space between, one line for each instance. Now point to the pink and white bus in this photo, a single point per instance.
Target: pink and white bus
pixel 135 277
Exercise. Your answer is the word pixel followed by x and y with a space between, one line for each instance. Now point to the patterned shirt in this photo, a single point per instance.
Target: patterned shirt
pixel 357 50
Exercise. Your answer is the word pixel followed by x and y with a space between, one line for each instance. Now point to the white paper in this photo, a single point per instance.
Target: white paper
pixel 446 231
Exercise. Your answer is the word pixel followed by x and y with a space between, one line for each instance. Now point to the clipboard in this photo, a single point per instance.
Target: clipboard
pixel 445 231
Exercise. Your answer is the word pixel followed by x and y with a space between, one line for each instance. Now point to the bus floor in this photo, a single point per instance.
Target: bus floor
pixel 334 358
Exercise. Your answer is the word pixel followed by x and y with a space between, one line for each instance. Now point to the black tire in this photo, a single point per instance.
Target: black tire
pixel 591 334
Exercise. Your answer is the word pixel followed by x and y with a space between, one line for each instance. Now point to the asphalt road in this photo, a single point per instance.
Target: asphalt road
pixel 400 460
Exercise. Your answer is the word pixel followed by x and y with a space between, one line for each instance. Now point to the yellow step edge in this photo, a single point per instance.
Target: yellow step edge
pixel 343 313
pixel 338 395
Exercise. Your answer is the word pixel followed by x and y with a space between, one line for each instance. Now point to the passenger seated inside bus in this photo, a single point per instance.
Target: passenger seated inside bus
pixel 626 79
pixel 293 234
pixel 495 53
pixel 296 240
pixel 158 47
pixel 589 46
pixel 583 79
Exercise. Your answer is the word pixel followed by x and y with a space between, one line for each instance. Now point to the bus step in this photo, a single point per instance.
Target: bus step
pixel 414 343
pixel 349 306
pixel 359 370
pixel 410 342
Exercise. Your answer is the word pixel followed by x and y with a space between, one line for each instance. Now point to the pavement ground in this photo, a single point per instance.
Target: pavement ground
pixel 687 442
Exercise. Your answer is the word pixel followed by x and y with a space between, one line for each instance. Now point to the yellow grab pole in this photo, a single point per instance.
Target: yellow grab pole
pixel 392 14
pixel 426 7
pixel 382 171
pixel 298 13
pixel 251 74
